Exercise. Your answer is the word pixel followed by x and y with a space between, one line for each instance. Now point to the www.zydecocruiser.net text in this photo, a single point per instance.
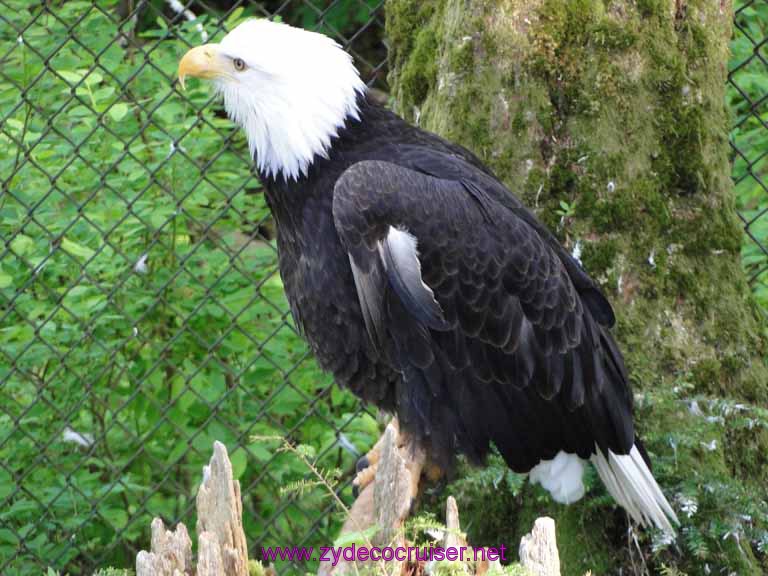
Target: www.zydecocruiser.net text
pixel 354 553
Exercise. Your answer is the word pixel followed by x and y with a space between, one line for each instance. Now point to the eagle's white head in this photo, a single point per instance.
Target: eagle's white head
pixel 290 89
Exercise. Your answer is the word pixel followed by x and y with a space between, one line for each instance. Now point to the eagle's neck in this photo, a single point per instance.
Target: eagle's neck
pixel 292 200
pixel 289 128
pixel 276 165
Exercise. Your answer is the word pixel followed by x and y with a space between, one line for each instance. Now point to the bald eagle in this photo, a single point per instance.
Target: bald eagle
pixel 422 283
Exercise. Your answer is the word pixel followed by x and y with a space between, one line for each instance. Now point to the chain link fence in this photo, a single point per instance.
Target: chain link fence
pixel 141 315
pixel 748 101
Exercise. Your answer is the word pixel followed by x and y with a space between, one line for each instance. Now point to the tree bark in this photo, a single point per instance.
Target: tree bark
pixel 608 119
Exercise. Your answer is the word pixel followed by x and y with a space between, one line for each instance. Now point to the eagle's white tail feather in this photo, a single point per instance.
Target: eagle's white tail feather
pixel 632 485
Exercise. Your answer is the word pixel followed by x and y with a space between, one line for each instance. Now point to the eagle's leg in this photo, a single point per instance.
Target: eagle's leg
pixel 363 478
pixel 415 461
pixel 367 465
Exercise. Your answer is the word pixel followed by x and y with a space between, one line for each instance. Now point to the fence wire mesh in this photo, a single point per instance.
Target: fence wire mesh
pixel 141 315
pixel 748 100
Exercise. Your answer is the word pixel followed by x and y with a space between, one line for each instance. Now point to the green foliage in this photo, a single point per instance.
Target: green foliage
pixel 143 315
pixel 332 17
pixel 724 518
pixel 565 210
pixel 101 572
pixel 425 531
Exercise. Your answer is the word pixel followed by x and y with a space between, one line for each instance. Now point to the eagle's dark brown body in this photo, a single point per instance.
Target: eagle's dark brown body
pixel 521 356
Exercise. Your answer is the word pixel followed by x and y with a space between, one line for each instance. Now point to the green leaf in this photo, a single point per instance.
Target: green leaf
pixel 17 125
pixel 118 111
pixel 239 462
pixel 77 249
pixel 234 18
pixel 22 244
pixel 5 280
pixel 93 78
pixel 6 484
pixel 117 517
pixel 8 537
pixel 70 76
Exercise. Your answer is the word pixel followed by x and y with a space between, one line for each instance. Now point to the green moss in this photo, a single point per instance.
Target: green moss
pixel 614 214
pixel 747 451
pixel 705 376
pixel 412 29
pixel 599 257
pixel 462 57
pixel 682 280
pixel 419 74
pixel 611 35
pixel 712 230
pixel 648 8
pixel 403 20
pixel 519 122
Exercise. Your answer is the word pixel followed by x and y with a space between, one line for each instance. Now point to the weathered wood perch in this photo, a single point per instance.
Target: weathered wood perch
pixel 538 550
pixel 385 503
pixel 171 552
pixel 220 517
pixel 221 546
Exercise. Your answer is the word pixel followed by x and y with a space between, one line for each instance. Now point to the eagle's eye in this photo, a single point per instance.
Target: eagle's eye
pixel 238 64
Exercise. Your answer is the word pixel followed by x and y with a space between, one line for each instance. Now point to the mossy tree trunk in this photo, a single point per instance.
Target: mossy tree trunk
pixel 608 119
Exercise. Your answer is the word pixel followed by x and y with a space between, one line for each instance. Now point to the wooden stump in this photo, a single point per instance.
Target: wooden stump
pixel 453 536
pixel 221 546
pixel 220 515
pixel 538 550
pixel 171 553
pixel 222 549
pixel 386 501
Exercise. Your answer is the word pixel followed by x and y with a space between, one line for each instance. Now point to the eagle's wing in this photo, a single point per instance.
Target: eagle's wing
pixel 479 312
pixel 484 188
pixel 488 292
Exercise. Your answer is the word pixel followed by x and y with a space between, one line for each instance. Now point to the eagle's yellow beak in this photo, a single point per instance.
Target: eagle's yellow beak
pixel 202 62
